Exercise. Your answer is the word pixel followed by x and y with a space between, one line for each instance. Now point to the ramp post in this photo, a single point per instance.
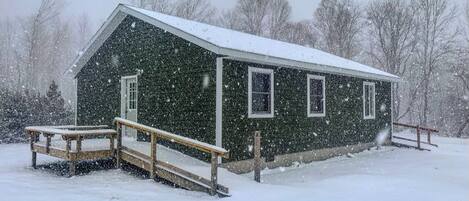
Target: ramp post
pixel 119 144
pixel 153 156
pixel 214 179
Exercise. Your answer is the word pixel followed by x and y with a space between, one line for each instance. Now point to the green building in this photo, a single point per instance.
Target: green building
pixel 218 86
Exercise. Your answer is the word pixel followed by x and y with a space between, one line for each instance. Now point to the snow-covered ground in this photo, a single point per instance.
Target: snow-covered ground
pixel 387 174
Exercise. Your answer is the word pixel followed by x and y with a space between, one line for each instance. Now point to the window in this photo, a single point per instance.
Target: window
pixel 132 104
pixel 261 93
pixel 316 96
pixel 368 100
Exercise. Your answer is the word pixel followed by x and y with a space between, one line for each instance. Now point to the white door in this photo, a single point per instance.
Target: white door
pixel 129 102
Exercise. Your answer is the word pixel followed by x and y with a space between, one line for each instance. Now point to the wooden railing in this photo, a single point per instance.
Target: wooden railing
pixel 418 133
pixel 156 134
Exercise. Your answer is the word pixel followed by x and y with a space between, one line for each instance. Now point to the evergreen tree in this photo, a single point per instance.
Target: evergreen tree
pixel 55 106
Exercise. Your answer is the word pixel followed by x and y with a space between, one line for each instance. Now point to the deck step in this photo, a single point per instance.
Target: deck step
pixel 171 173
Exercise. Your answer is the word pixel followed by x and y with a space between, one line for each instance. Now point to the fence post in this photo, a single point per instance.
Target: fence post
pixel 153 156
pixel 119 145
pixel 257 156
pixel 214 176
pixel 418 137
pixel 428 137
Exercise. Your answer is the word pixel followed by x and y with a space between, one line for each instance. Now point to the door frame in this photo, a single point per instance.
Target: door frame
pixel 123 93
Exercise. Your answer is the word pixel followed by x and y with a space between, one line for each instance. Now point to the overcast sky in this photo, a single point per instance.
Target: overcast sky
pixel 98 10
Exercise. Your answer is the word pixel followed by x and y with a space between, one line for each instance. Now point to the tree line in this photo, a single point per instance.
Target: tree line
pixel 423 41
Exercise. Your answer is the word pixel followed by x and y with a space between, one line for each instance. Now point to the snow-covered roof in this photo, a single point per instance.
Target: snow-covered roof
pixel 239 45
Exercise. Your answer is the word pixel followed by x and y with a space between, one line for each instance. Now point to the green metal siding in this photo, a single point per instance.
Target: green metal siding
pixel 290 130
pixel 171 95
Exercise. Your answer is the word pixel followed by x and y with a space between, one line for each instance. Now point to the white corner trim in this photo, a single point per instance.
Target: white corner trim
pixel 323 79
pixel 219 103
pixel 264 71
pixel 392 110
pixel 372 116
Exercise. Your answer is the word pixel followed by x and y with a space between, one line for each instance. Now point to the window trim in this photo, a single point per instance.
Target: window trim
pixel 371 116
pixel 308 93
pixel 263 71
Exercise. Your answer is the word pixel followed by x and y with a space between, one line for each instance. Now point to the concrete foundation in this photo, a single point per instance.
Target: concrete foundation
pixel 245 166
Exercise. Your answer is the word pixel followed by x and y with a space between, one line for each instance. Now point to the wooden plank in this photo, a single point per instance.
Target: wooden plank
pixel 92 155
pixel 180 180
pixel 136 153
pixel 190 175
pixel 55 152
pixel 134 160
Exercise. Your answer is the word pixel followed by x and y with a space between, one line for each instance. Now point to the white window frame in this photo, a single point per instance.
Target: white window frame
pixel 371 116
pixel 263 71
pixel 323 79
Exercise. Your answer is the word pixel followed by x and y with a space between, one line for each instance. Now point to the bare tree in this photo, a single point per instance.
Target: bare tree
pixel 162 6
pixel 278 16
pixel 251 15
pixel 199 10
pixel 338 23
pixel 300 33
pixel 436 41
pixel 35 38
pixel 83 30
pixel 392 30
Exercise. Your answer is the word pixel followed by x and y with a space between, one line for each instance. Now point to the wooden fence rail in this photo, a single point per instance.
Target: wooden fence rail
pixel 418 129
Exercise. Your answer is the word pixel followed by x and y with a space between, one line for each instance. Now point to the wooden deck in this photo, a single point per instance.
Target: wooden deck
pixel 75 144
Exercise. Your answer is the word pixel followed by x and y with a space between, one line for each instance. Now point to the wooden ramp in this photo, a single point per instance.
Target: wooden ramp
pixel 165 170
pixel 143 156
pixel 171 173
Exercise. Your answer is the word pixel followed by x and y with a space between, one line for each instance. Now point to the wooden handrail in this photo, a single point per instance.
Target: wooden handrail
pixel 418 129
pixel 202 146
pixel 414 126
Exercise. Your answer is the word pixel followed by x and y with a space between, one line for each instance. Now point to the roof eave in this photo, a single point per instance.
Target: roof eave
pixel 275 61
